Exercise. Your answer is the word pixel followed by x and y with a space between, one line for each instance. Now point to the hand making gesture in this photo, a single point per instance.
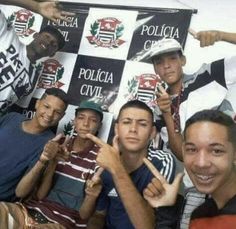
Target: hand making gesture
pixel 159 192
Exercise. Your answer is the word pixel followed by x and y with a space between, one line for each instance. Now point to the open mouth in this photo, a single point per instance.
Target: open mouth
pixel 204 179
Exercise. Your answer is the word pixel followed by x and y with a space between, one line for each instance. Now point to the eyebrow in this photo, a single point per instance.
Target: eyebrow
pixel 212 144
pixel 131 119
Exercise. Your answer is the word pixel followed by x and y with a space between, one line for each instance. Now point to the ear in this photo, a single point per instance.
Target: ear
pixel 37 104
pixel 153 132
pixel 183 60
pixel 116 128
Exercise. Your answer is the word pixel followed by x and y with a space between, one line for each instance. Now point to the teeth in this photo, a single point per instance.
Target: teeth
pixel 204 177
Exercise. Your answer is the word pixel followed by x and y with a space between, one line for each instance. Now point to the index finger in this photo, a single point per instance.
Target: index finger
pixel 192 32
pixel 154 171
pixel 161 89
pixel 96 140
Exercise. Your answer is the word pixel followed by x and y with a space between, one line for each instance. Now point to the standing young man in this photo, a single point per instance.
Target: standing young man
pixel 22 140
pixel 64 197
pixel 209 154
pixel 121 204
pixel 18 62
pixel 187 94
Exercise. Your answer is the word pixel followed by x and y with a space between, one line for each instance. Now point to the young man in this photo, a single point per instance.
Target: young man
pixel 121 204
pixel 209 154
pixel 18 68
pixel 187 94
pixel 22 140
pixel 60 197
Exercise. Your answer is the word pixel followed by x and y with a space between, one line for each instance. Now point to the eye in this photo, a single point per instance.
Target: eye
pixel 126 122
pixel 144 124
pixel 218 152
pixel 190 150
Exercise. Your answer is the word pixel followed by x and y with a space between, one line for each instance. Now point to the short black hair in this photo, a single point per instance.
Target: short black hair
pixel 56 33
pixel 57 92
pixel 217 117
pixel 136 104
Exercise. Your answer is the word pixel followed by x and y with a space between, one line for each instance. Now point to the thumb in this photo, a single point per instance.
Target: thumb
pixel 177 180
pixel 57 137
pixel 67 139
pixel 115 142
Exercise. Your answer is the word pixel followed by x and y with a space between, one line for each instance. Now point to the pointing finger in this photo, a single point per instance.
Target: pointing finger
pixel 95 177
pixel 154 171
pixel 161 89
pixel 96 140
pixel 193 33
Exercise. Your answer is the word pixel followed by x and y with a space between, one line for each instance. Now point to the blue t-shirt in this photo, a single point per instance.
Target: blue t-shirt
pixel 19 151
pixel 109 200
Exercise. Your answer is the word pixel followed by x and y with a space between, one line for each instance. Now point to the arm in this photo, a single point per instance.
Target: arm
pixel 97 221
pixel 47 179
pixel 209 37
pixel 28 182
pixel 92 190
pixel 174 137
pixel 46 183
pixel 49 9
pixel 141 213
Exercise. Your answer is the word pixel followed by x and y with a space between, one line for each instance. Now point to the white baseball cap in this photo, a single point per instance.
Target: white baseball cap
pixel 165 45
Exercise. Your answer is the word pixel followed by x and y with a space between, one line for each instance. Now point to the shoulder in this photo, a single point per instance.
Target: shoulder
pixel 164 162
pixel 12 116
pixel 160 156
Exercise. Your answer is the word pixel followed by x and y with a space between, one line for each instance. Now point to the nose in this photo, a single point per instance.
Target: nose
pixel 86 121
pixel 133 127
pixel 166 63
pixel 202 159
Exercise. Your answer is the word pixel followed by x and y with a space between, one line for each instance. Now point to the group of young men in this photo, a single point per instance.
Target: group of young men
pixel 52 181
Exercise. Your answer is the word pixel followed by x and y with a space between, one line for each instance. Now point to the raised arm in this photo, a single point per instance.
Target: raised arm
pixel 209 37
pixel 48 9
pixel 174 136
pixel 31 178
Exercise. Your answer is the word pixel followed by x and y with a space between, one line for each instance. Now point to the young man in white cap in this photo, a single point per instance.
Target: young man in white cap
pixel 187 94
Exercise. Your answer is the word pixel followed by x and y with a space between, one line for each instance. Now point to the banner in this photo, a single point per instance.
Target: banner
pixel 105 56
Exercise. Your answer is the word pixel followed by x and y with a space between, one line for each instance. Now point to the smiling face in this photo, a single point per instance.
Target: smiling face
pixel 87 121
pixel 135 129
pixel 169 67
pixel 209 158
pixel 49 111
pixel 44 44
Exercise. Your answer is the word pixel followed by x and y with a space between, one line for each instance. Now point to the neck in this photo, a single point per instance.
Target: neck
pixel 225 192
pixel 176 88
pixel 133 160
pixel 81 144
pixel 30 126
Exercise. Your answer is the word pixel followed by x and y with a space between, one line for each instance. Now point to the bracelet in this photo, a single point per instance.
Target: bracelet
pixel 43 162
